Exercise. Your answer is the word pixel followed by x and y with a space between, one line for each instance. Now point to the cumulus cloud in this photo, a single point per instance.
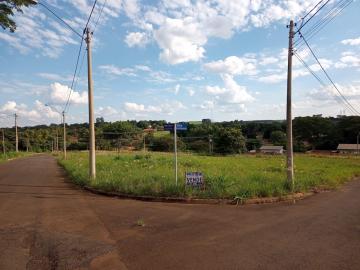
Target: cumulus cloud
pixel 59 94
pixel 232 92
pixel 351 41
pixel 233 65
pixel 139 39
pixel 182 28
pixel 350 91
pixel 349 59
pixel 181 40
pixel 39 114
pixel 35 30
pixel 168 107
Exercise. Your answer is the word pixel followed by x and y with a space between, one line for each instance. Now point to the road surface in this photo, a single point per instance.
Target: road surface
pixel 48 223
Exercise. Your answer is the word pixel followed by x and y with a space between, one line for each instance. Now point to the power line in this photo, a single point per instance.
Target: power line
pixel 327 75
pixel 325 20
pixel 98 19
pixel 303 18
pixel 305 23
pixel 77 60
pixel 74 76
pixel 319 79
pixel 92 10
pixel 52 12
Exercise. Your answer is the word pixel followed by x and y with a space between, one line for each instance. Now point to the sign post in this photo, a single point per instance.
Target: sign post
pixel 175 127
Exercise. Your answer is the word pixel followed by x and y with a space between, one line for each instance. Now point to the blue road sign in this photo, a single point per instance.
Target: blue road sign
pixel 179 126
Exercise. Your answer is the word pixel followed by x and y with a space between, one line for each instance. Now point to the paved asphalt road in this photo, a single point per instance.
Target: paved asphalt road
pixel 47 223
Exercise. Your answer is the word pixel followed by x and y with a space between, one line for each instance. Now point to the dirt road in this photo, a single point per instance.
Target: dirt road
pixel 47 223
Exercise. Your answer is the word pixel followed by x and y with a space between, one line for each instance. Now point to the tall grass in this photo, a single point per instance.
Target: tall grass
pixel 12 155
pixel 239 176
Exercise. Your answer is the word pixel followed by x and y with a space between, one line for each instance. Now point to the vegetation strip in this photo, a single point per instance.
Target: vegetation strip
pixel 239 178
pixel 294 197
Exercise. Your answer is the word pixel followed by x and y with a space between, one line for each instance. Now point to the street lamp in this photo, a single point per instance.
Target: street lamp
pixel 63 121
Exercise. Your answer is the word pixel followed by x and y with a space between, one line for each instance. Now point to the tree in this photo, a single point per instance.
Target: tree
pixel 7 9
pixel 230 141
pixel 278 137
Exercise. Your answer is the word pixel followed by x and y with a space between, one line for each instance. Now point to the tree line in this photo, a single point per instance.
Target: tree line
pixel 228 137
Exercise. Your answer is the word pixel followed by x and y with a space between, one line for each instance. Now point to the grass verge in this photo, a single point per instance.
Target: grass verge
pixel 12 155
pixel 240 176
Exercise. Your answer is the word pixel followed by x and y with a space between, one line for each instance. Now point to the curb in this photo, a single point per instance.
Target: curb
pixel 268 200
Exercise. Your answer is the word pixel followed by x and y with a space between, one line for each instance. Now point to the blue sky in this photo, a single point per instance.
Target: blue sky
pixel 176 60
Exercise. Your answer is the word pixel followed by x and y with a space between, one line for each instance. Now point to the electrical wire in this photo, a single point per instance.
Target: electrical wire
pixel 92 10
pixel 64 22
pixel 321 23
pixel 303 18
pixel 77 61
pixel 312 16
pixel 74 76
pixel 329 78
pixel 101 11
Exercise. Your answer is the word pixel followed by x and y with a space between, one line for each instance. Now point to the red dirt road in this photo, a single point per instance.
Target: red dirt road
pixel 47 223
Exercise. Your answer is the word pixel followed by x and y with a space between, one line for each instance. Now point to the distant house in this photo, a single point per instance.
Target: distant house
pixel 346 148
pixel 272 149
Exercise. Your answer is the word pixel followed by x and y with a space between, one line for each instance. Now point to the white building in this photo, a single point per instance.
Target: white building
pixel 272 149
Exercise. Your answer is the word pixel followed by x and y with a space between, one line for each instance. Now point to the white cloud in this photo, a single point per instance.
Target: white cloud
pixel 36 31
pixel 348 60
pixel 177 89
pixel 39 114
pixel 182 28
pixel 54 77
pixel 268 60
pixel 233 65
pixel 106 111
pixel 134 39
pixel 114 70
pixel 232 93
pixel 180 41
pixel 352 42
pixel 168 108
pixel 350 92
pixel 191 92
pixel 60 93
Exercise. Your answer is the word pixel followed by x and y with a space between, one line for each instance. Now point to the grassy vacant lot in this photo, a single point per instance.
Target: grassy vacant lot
pixel 239 176
pixel 11 155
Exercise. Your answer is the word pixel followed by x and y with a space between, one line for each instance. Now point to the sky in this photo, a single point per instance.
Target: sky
pixel 177 60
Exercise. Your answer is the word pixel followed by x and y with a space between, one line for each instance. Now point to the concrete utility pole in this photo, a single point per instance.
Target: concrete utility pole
pixel 57 140
pixel 289 136
pixel 175 153
pixel 16 135
pixel 3 141
pixel 92 161
pixel 63 116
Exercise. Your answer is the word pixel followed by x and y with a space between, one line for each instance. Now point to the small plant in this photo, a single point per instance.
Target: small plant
pixel 140 222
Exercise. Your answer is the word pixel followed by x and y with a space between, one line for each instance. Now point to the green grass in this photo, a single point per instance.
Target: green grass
pixel 12 155
pixel 241 176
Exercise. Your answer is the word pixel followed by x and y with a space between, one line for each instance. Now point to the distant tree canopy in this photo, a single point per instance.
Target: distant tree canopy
pixel 7 9
pixel 216 137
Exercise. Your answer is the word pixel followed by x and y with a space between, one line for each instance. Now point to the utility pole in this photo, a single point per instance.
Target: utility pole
pixel 175 153
pixel 92 161
pixel 57 139
pixel 289 138
pixel 3 142
pixel 16 135
pixel 63 116
pixel 144 135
